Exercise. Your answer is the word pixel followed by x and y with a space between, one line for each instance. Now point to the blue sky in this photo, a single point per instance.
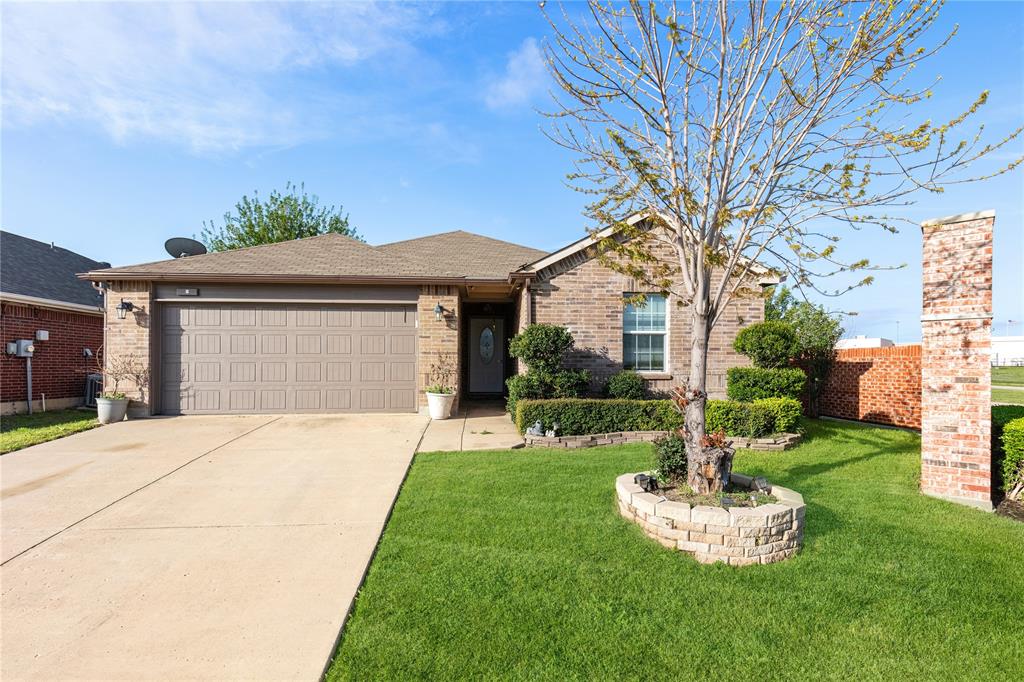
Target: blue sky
pixel 124 125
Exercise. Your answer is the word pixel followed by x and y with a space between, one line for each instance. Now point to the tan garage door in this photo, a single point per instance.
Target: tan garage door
pixel 267 357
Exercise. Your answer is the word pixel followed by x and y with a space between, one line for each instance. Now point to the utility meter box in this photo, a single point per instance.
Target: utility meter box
pixel 42 335
pixel 25 348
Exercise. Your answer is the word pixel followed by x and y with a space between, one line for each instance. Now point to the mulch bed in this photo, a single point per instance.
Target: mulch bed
pixel 1011 509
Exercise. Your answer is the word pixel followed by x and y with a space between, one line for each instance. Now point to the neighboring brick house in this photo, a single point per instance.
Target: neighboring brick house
pixel 331 324
pixel 40 291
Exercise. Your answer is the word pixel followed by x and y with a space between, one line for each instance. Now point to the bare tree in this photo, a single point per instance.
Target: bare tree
pixel 747 132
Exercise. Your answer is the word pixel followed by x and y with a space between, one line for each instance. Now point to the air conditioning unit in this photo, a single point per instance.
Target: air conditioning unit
pixel 93 387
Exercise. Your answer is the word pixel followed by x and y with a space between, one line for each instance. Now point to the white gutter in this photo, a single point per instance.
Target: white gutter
pixel 51 303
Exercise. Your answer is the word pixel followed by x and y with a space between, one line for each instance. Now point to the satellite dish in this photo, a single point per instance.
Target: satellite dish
pixel 180 247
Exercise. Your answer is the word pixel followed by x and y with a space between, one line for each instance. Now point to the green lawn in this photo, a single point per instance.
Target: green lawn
pixel 516 564
pixel 22 430
pixel 1008 376
pixel 1007 395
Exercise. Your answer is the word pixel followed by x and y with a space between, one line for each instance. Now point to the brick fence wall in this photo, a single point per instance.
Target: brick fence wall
pixel 880 385
pixel 59 366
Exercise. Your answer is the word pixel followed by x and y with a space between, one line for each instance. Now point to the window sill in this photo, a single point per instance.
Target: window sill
pixel 655 376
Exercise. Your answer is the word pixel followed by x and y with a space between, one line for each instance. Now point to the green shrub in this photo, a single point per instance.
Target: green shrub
pixel 752 420
pixel 1007 457
pixel 670 456
pixel 726 415
pixel 785 413
pixel 747 384
pixel 570 383
pixel 524 386
pixel 626 384
pixel 567 383
pixel 541 347
pixel 580 416
pixel 1012 467
pixel 769 344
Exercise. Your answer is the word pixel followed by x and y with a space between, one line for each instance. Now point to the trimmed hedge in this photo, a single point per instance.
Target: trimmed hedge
pixel 754 419
pixel 582 416
pixel 747 384
pixel 1008 444
pixel 566 383
pixel 1012 469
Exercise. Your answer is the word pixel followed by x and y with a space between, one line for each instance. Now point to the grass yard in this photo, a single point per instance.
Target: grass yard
pixel 516 564
pixel 1008 376
pixel 22 430
pixel 1007 395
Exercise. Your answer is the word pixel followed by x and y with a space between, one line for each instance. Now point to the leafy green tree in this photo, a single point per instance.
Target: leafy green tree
pixel 817 332
pixel 283 216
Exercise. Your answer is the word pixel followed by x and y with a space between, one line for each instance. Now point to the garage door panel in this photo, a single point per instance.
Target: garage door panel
pixel 339 344
pixel 275 358
pixel 243 372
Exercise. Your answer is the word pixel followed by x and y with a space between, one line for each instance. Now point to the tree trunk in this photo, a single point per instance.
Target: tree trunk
pixel 708 468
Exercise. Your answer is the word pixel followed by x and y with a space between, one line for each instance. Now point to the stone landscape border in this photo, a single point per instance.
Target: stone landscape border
pixel 738 536
pixel 782 441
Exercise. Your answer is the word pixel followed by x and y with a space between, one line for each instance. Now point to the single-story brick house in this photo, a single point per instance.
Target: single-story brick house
pixel 40 291
pixel 332 324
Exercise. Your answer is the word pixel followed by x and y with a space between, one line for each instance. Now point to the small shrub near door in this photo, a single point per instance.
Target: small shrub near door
pixel 626 384
pixel 542 347
pixel 581 416
pixel 747 384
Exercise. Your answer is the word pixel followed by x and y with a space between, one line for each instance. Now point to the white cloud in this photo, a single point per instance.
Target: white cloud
pixel 525 76
pixel 213 76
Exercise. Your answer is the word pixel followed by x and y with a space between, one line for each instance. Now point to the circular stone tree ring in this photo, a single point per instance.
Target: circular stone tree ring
pixel 739 536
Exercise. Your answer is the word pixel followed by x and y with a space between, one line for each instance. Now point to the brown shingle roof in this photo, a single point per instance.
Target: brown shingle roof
pixel 452 255
pixel 471 255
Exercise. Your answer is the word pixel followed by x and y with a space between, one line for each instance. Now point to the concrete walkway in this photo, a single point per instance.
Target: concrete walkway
pixel 480 426
pixel 193 548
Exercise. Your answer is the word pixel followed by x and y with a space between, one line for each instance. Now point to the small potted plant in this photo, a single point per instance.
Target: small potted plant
pixel 441 392
pixel 112 406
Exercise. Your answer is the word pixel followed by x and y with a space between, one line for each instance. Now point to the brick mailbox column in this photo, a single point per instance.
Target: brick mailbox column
pixel 956 325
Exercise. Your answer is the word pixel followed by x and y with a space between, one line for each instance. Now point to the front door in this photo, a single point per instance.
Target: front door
pixel 486 355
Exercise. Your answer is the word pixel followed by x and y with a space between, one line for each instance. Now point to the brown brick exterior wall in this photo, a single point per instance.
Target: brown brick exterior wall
pixel 587 297
pixel 435 336
pixel 130 335
pixel 956 322
pixel 880 385
pixel 59 367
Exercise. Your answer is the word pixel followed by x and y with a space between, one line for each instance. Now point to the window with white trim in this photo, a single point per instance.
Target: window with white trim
pixel 644 333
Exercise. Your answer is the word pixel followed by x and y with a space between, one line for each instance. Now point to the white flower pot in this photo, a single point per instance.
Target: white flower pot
pixel 111 411
pixel 440 405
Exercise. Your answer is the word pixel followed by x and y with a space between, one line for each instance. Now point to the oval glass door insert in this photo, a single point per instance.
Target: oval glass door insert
pixel 486 345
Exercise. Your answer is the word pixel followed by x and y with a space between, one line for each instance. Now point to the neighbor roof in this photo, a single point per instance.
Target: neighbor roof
pixel 35 269
pixel 473 255
pixel 448 256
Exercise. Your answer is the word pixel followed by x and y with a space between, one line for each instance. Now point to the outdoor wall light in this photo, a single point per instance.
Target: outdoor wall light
pixel 124 308
pixel 438 312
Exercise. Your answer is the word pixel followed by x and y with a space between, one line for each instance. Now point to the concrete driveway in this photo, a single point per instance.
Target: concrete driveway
pixel 193 547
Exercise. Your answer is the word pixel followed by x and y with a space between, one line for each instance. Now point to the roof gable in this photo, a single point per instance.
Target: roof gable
pixel 581 251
